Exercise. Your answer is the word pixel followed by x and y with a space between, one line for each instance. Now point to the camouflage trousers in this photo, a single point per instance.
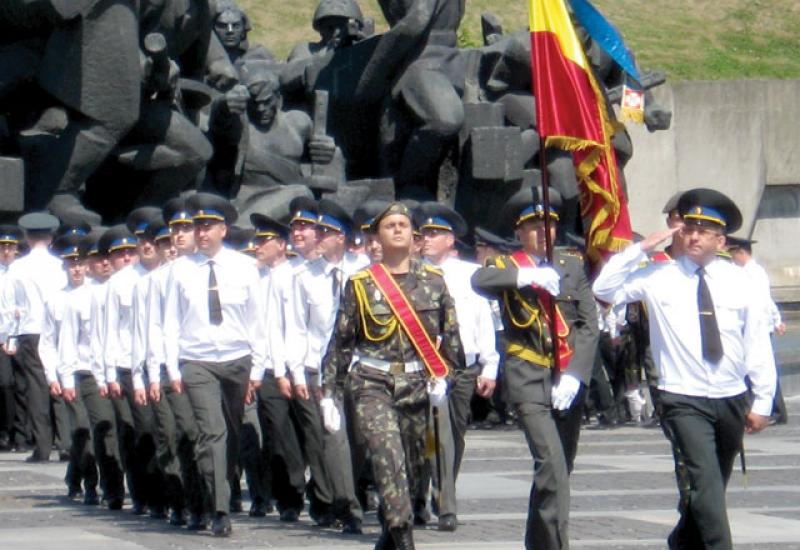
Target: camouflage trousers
pixel 391 412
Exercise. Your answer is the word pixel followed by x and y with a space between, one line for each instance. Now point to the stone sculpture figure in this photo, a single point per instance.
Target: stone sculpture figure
pixel 231 26
pixel 260 150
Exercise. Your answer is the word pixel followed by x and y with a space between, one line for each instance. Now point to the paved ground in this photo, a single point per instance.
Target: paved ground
pixel 624 497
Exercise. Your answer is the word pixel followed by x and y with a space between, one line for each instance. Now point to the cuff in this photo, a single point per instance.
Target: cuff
pixel 489 371
pixel 111 375
pixel 762 406
pixel 256 374
pixel 299 376
pixel 68 382
pixel 174 373
pixel 138 381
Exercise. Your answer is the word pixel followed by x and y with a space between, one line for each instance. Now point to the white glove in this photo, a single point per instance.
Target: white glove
pixel 331 418
pixel 544 277
pixel 564 393
pixel 437 391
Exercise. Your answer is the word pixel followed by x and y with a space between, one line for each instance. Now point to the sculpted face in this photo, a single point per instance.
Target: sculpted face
pixel 264 105
pixel 229 27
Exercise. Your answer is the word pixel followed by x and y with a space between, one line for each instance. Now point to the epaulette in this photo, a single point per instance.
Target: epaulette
pixel 358 275
pixel 433 269
pixel 572 253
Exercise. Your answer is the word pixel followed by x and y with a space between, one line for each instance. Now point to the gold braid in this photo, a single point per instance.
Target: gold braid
pixel 363 308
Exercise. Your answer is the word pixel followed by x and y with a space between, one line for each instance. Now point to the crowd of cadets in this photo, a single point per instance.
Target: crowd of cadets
pixel 132 350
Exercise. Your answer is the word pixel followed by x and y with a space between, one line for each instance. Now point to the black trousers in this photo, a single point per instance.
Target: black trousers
pixel 6 396
pixel 38 394
pixel 281 450
pixel 706 435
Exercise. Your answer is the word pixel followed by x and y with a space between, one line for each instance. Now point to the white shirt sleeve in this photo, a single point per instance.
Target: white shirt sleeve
pixel 139 343
pixel 48 344
pixel 256 325
pixel 68 336
pixel 111 333
pixel 276 323
pixel 172 319
pixel 759 359
pixel 487 344
pixel 297 327
pixel 619 282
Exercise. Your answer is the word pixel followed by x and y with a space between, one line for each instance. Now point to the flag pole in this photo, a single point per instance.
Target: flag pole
pixel 548 247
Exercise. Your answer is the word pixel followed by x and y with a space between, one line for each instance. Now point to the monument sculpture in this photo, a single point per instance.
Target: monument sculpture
pixel 110 105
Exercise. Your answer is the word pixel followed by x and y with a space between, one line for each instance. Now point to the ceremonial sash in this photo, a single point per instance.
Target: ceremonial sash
pixel 405 314
pixel 565 352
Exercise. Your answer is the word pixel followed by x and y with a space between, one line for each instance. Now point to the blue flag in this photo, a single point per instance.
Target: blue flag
pixel 606 36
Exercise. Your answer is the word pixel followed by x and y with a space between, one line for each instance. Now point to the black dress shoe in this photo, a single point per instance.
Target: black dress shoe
pixel 447 522
pixel 385 541
pixel 91 498
pixel 258 509
pixel 158 512
pixel 177 518
pixel 197 522
pixel 221 527
pixel 352 526
pixel 115 504
pixel 138 509
pixel 75 493
pixel 290 515
pixel 35 459
pixel 5 443
pixel 63 456
pixel 236 506
pixel 422 516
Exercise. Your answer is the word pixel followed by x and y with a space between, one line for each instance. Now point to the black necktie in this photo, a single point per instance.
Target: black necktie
pixel 337 282
pixel 709 330
pixel 214 307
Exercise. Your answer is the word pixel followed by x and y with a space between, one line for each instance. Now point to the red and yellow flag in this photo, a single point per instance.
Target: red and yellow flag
pixel 571 114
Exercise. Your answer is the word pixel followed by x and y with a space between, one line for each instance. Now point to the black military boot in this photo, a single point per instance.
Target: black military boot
pixel 385 541
pixel 403 537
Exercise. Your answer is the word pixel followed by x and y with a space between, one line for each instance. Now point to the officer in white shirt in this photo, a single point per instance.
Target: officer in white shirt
pixel 707 335
pixel 440 227
pixel 282 452
pixel 135 421
pixel 317 292
pixel 10 405
pixel 304 239
pixel 742 252
pixel 80 382
pixel 215 342
pixel 175 421
pixel 31 280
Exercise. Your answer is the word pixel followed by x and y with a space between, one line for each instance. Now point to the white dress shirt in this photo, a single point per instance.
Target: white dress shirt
pixel 188 333
pixel 314 311
pixel 75 342
pixel 140 343
pixel 48 338
pixel 474 312
pixel 33 279
pixel 156 301
pixel 119 319
pixel 670 291
pixel 758 275
pixel 97 335
pixel 280 294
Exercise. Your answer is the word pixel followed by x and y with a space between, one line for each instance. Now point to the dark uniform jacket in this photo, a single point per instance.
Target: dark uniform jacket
pixel 526 328
pixel 366 326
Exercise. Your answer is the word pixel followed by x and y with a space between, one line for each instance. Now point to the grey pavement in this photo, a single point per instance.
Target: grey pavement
pixel 623 496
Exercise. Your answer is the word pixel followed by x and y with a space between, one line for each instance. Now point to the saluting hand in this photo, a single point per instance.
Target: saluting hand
pixel 650 242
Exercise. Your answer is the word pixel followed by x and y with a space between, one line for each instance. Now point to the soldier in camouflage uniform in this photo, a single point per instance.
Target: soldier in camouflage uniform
pixel 389 382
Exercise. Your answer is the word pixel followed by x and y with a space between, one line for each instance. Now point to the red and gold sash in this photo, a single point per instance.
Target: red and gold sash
pixel 412 326
pixel 565 351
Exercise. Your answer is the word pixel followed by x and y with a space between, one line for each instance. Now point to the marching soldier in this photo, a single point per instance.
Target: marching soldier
pixel 440 228
pixel 214 340
pixel 548 404
pixel 317 291
pixel 282 452
pixel 175 421
pixel 31 281
pixel 398 322
pixel 81 386
pixel 12 379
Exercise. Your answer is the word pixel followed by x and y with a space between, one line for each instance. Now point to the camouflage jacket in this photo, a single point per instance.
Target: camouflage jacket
pixel 365 325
